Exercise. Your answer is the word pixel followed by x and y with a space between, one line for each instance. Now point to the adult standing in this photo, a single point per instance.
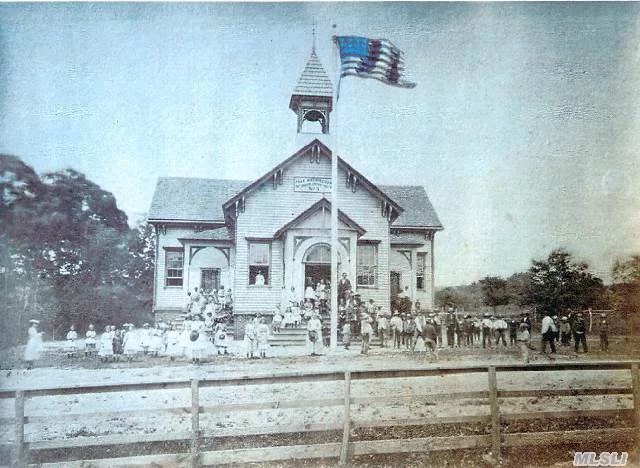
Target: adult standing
pixel 604 333
pixel 513 331
pixel 383 326
pixel 580 333
pixel 344 287
pixel 451 327
pixel 548 331
pixel 429 337
pixel 487 325
pixel 396 329
pixel 321 291
pixel 420 322
pixel 34 344
pixel 366 330
pixel 523 337
pixel 467 330
pixel 309 292
pixel 500 329
pixel 565 331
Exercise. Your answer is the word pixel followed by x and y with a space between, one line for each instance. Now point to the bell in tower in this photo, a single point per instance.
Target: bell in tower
pixel 312 99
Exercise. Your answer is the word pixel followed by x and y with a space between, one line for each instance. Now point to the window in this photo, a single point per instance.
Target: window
pixel 367 268
pixel 259 261
pixel 319 254
pixel 420 266
pixel 174 260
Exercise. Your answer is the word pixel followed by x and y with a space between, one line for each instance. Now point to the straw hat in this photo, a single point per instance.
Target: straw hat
pixel 34 321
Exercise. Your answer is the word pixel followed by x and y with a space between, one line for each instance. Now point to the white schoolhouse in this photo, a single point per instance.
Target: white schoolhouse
pixel 261 238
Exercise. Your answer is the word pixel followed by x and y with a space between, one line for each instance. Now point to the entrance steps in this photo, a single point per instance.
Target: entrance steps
pixel 289 337
pixel 298 337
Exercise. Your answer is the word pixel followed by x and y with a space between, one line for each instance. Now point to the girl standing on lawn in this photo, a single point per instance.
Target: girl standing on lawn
pixel 34 344
pixel 106 345
pixel 174 344
pixel 90 341
pixel 130 342
pixel 71 346
pixel 263 337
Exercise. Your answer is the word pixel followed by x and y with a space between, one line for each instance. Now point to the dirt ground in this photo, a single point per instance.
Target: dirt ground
pixel 85 415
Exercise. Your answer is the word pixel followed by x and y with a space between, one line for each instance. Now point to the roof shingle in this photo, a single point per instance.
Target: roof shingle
pixel 190 199
pixel 314 81
pixel 187 199
pixel 418 210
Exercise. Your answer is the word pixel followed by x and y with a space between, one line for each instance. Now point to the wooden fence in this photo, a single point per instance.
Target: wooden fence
pixel 339 450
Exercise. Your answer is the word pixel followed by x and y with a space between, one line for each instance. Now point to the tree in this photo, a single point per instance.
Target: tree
pixel 625 291
pixel 494 291
pixel 626 272
pixel 560 283
pixel 518 286
pixel 67 253
pixel 469 297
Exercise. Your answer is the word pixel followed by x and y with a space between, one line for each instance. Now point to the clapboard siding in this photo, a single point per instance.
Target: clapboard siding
pixel 175 297
pixel 170 297
pixel 398 262
pixel 252 299
pixel 267 209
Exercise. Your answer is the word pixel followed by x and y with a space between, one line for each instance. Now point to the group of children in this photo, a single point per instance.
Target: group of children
pixel 256 337
pixel 214 301
pixel 195 338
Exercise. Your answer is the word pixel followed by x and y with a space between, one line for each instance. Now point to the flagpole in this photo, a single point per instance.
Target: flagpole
pixel 334 208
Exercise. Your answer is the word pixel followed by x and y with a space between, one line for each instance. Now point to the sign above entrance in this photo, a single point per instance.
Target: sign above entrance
pixel 312 184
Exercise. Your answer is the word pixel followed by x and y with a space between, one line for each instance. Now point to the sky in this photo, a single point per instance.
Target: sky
pixel 524 126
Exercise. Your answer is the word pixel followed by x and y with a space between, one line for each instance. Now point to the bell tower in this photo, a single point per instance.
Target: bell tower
pixel 312 98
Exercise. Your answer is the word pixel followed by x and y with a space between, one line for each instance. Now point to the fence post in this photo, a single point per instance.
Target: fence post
pixel 344 451
pixel 495 414
pixel 635 379
pixel 20 452
pixel 195 424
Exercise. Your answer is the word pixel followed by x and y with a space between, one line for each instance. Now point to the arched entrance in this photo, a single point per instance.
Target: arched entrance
pixel 317 264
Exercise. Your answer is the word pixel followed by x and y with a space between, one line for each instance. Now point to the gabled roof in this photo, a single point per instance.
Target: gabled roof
pixel 418 210
pixel 192 200
pixel 323 203
pixel 324 150
pixel 179 199
pixel 314 82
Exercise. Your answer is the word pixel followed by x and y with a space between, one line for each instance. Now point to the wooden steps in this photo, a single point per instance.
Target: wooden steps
pixel 289 337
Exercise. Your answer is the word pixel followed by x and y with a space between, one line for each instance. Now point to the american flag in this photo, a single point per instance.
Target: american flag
pixel 372 58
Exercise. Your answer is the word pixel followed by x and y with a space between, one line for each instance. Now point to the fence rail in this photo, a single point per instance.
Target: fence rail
pixel 342 451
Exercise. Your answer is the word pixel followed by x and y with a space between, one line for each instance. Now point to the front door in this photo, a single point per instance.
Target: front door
pixel 209 279
pixel 394 283
pixel 314 272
